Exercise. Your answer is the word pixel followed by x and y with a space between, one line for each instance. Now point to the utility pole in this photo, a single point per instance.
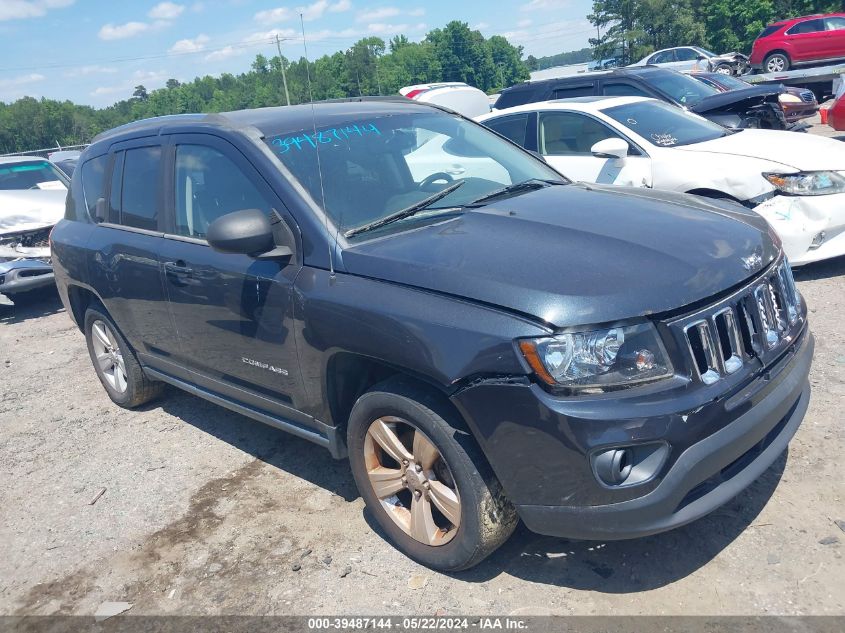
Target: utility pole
pixel 282 64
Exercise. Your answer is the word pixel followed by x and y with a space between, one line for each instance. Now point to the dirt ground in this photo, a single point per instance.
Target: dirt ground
pixel 206 512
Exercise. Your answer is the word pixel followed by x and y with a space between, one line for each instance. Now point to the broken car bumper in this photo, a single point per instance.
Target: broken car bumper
pixel 24 274
pixel 812 228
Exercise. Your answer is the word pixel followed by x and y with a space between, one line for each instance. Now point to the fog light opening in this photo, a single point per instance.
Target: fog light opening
pixel 629 465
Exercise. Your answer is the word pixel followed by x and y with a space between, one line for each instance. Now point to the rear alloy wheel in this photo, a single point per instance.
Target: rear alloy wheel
pixel 776 63
pixel 423 477
pixel 115 362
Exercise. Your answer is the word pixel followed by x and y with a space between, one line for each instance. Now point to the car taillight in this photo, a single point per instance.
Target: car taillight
pixel 415 93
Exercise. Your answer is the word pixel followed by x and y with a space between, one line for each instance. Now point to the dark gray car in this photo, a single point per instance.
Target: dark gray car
pixel 482 339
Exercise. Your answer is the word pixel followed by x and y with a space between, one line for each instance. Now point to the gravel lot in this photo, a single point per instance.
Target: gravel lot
pixel 206 512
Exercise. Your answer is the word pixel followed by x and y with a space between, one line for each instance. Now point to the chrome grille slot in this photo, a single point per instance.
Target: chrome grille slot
pixel 754 323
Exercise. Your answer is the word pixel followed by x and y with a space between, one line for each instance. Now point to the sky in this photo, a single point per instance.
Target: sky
pixel 95 52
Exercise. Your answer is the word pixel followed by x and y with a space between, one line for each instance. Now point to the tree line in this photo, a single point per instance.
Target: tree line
pixel 371 66
pixel 631 29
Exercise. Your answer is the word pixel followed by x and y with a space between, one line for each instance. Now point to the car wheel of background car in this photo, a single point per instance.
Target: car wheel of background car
pixel 724 69
pixel 115 362
pixel 776 63
pixel 424 478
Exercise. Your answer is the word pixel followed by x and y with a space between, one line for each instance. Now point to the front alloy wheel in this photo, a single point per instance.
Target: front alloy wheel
pixel 412 481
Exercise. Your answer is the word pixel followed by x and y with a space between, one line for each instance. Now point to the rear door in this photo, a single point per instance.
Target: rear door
pixel 808 40
pixel 124 269
pixel 233 313
pixel 566 138
pixel 835 31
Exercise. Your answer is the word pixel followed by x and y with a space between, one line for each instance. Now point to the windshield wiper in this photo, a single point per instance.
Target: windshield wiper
pixel 519 187
pixel 406 212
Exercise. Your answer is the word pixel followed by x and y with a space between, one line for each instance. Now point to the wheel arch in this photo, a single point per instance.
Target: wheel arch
pixel 80 299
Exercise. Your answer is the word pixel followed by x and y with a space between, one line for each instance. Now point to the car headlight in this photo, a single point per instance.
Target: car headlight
pixel 808 183
pixel 788 98
pixel 598 360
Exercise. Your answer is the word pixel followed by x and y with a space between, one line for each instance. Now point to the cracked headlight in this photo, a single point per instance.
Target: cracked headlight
pixel 598 360
pixel 808 183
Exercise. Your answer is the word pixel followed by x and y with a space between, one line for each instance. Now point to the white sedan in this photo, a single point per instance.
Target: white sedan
pixel 795 181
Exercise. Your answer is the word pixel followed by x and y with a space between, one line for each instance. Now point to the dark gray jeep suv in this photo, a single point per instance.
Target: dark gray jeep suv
pixel 484 340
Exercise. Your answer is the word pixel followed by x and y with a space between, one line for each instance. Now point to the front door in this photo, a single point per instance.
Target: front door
pixel 565 141
pixel 232 313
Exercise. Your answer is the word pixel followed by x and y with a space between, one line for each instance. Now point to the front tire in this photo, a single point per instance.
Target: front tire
pixel 115 363
pixel 424 478
pixel 776 63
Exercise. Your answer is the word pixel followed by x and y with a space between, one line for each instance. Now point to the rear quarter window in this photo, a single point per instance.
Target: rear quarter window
pixel 93 181
pixel 769 30
pixel 514 127
pixel 515 98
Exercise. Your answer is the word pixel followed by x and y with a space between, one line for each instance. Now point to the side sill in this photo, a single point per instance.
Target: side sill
pixel 328 439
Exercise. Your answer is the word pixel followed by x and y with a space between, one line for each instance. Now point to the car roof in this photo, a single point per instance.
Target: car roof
pixel 6 160
pixel 579 104
pixel 806 17
pixel 627 71
pixel 273 120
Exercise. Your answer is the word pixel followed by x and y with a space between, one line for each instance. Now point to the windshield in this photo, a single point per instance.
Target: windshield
pixel 732 83
pixel 681 88
pixel 665 125
pixel 31 175
pixel 376 167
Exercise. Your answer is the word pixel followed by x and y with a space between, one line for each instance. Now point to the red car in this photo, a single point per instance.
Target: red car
pixel 799 41
pixel 836 115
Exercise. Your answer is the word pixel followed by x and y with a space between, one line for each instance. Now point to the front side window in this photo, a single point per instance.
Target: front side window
pixel 808 26
pixel 93 180
pixel 140 192
pixel 208 186
pixel 571 134
pixel 664 125
pixel 36 174
pixel 686 55
pixel 371 168
pixel 514 127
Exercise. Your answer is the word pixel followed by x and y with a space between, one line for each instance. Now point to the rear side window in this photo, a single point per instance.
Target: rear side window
pixel 514 127
pixel 584 90
pixel 808 26
pixel 93 180
pixel 511 98
pixel 139 198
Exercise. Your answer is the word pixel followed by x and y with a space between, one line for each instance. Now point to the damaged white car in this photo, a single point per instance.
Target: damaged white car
pixel 795 181
pixel 32 200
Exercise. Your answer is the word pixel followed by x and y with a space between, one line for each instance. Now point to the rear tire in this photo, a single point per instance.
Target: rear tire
pixel 776 63
pixel 115 362
pixel 724 69
pixel 431 476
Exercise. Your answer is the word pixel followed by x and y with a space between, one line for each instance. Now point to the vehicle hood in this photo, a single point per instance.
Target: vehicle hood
pixel 801 152
pixel 30 209
pixel 735 100
pixel 576 254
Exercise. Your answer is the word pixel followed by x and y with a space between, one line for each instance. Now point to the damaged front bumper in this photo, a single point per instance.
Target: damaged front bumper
pixel 25 262
pixel 812 228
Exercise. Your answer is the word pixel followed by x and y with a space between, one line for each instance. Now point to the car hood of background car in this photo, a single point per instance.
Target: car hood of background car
pixel 30 209
pixel 802 152
pixel 735 100
pixel 571 256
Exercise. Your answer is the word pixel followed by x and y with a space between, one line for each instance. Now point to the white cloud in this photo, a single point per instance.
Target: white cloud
pixel 150 79
pixel 316 10
pixel 548 38
pixel 190 45
pixel 379 28
pixel 224 53
pixel 20 9
pixel 266 36
pixel 544 5
pixel 378 14
pixel 279 14
pixel 198 7
pixel 84 71
pixel 122 31
pixel 523 23
pixel 417 12
pixel 480 26
pixel 166 11
pixel 32 78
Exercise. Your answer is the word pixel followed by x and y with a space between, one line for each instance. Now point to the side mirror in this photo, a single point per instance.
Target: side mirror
pixel 610 148
pixel 100 210
pixel 246 232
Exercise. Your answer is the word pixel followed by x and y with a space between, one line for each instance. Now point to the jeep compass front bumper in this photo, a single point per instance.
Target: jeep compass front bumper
pixel 638 461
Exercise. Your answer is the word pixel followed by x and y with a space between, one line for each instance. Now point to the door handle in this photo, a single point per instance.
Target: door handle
pixel 177 268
